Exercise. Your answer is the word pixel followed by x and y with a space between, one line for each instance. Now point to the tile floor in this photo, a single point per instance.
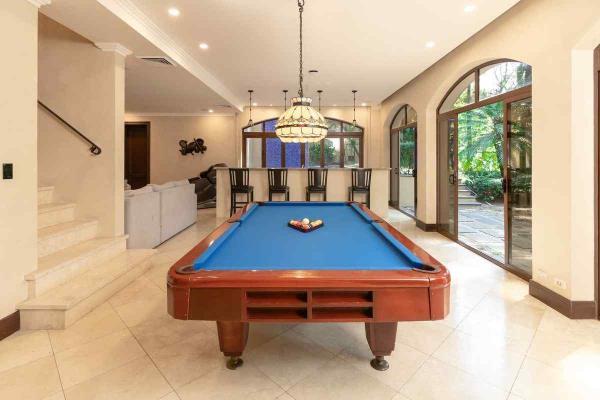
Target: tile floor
pixel 497 343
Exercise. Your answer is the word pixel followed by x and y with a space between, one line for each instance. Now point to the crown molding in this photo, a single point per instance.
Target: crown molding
pixel 137 20
pixel 114 47
pixel 201 114
pixel 40 3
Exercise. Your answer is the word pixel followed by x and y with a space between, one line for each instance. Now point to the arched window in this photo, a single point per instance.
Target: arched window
pixel 403 161
pixel 342 148
pixel 485 163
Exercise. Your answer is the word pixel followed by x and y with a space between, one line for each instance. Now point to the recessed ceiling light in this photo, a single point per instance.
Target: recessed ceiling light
pixel 469 8
pixel 430 44
pixel 363 104
pixel 203 46
pixel 254 104
pixel 335 105
pixel 210 110
pixel 270 105
pixel 174 12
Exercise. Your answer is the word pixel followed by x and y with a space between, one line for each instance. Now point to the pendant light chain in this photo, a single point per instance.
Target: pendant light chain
pixel 301 78
pixel 285 99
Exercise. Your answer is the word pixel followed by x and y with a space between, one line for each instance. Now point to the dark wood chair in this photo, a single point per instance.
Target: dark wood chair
pixel 278 182
pixel 361 183
pixel 317 183
pixel 239 179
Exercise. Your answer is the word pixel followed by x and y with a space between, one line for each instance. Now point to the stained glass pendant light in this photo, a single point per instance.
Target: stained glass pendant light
pixel 301 123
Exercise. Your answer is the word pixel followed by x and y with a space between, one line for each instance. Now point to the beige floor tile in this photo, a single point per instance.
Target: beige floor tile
pixel 581 330
pixel 246 383
pixel 404 362
pixel 56 396
pixel 100 322
pixel 157 274
pixel 156 334
pixel 288 358
pixel 500 329
pixel 23 347
pixel 457 314
pixel 91 359
pixel 515 397
pixel 561 349
pixel 170 396
pixel 437 380
pixel 424 336
pixel 518 312
pixel 491 361
pixel 35 380
pixel 337 380
pixel 260 334
pixel 539 381
pixel 138 379
pixel 285 396
pixel 139 302
pixel 333 337
pixel 399 396
pixel 186 360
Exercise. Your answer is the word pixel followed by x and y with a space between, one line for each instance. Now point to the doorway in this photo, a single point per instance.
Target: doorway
pixel 485 164
pixel 403 161
pixel 137 154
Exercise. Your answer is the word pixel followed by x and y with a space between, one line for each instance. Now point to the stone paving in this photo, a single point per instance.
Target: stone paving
pixel 483 229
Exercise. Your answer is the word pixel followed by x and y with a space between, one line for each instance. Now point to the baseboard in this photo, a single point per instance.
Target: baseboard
pixel 569 308
pixel 9 325
pixel 426 227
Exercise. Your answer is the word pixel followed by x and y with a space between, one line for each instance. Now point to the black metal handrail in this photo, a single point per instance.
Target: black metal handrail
pixel 94 148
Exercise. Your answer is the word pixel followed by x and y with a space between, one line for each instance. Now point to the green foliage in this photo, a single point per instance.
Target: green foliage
pixel 486 184
pixel 407 151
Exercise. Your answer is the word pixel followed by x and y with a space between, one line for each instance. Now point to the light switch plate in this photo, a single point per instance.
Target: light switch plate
pixel 7 171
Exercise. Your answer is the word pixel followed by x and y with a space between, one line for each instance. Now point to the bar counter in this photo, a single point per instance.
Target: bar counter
pixel 338 181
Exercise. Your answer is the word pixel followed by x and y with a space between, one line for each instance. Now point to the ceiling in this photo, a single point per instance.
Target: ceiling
pixel 254 45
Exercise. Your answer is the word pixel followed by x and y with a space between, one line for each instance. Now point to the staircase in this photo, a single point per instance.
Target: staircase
pixel 77 270
pixel 466 198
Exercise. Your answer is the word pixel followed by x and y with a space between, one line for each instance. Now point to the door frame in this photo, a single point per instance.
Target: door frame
pixel 597 180
pixel 148 131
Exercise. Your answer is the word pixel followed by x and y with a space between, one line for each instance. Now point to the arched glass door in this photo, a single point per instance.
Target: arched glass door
pixel 484 164
pixel 403 161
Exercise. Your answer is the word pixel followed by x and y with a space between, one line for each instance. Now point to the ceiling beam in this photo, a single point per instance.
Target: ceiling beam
pixel 137 20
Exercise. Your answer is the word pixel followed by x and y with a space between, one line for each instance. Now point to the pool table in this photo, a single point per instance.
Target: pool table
pixel 254 268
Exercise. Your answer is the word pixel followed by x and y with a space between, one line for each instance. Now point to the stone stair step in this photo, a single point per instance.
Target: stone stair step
pixel 45 194
pixel 55 269
pixel 67 303
pixel 55 213
pixel 57 237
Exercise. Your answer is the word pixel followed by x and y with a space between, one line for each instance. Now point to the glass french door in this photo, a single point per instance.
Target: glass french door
pixel 519 148
pixel 447 211
pixel 407 185
pixel 487 206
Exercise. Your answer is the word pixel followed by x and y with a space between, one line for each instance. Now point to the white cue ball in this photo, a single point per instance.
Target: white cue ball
pixel 305 221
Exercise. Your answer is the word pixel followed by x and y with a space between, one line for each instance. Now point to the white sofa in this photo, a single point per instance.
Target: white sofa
pixel 155 213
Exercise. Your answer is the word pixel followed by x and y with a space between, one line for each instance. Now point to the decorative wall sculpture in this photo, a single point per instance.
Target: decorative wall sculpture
pixel 195 146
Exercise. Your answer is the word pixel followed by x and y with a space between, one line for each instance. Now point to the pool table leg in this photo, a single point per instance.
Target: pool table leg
pixel 232 341
pixel 381 337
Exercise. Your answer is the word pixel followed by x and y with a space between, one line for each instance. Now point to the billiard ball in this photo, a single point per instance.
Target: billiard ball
pixel 305 221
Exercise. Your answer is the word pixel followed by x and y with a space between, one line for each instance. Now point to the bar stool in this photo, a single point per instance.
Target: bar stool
pixel 361 183
pixel 317 182
pixel 278 182
pixel 239 179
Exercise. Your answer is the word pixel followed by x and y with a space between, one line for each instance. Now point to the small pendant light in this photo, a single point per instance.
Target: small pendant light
pixel 354 120
pixel 250 122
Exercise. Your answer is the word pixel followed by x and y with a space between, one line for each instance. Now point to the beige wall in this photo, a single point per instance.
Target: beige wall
pixel 167 163
pixel 86 86
pixel 547 35
pixel 367 117
pixel 18 140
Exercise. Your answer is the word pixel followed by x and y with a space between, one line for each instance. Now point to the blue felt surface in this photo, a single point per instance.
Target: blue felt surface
pixel 349 240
